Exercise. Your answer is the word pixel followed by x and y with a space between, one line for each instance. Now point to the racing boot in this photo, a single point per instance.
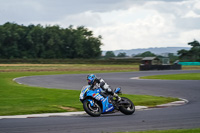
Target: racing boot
pixel 117 97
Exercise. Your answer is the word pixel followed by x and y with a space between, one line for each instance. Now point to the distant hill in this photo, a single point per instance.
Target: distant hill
pixel 156 50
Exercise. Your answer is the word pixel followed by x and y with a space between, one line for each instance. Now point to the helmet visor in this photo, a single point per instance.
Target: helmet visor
pixel 89 81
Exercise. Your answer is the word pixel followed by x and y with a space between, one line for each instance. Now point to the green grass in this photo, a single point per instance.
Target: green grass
pixel 16 99
pixel 188 76
pixel 169 131
pixel 150 101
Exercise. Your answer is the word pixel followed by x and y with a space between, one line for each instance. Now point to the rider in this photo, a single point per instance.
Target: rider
pixel 99 82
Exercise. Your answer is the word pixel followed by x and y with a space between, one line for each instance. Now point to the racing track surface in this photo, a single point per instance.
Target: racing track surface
pixel 185 116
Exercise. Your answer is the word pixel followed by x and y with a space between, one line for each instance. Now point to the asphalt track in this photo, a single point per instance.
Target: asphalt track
pixel 179 117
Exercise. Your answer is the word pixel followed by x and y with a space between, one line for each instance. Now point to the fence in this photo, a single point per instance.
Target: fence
pixel 189 63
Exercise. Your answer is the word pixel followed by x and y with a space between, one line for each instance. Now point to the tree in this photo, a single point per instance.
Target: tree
pixel 146 54
pixel 122 54
pixel 191 55
pixel 172 57
pixel 109 54
pixel 36 41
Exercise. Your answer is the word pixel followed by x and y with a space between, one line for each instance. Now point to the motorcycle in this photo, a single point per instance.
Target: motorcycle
pixel 96 102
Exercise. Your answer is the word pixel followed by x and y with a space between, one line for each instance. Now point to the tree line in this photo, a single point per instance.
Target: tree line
pixel 37 41
pixel 191 55
pixel 109 54
pixel 185 55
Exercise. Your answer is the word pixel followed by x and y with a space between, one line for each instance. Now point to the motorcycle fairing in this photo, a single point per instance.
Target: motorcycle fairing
pixel 83 91
pixel 106 106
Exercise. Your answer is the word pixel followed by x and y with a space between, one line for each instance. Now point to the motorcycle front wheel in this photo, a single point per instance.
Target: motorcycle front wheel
pixel 94 110
pixel 127 107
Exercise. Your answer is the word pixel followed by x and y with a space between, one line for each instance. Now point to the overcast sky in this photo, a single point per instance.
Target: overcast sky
pixel 123 24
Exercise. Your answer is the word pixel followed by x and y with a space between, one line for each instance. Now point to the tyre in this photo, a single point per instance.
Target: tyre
pixel 94 110
pixel 126 107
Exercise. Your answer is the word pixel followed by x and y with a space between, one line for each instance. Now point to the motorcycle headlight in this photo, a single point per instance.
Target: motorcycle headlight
pixel 81 96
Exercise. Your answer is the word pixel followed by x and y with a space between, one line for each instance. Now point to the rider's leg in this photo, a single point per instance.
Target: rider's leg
pixel 110 91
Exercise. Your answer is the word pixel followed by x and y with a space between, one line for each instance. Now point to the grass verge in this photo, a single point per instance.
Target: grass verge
pixel 16 99
pixel 169 131
pixel 188 76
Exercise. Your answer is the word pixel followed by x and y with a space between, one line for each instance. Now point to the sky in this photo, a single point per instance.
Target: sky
pixel 123 24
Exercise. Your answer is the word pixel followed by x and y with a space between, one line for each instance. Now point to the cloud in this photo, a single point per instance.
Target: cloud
pixel 152 24
pixel 85 19
pixel 191 14
pixel 149 32
pixel 123 24
pixel 50 11
pixel 19 11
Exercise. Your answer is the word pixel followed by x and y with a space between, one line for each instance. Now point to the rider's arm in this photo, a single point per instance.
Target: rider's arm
pixel 105 86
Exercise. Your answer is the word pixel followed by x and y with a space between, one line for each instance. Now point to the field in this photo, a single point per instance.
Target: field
pixel 188 76
pixel 190 67
pixel 66 67
pixel 75 67
pixel 21 99
pixel 170 131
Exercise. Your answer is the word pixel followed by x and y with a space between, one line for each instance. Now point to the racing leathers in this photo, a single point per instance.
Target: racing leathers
pixel 99 82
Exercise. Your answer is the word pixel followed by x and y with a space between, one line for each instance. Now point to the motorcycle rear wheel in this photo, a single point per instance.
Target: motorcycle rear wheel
pixel 128 108
pixel 94 110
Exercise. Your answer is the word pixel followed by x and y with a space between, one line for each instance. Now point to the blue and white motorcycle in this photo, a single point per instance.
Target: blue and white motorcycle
pixel 96 102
